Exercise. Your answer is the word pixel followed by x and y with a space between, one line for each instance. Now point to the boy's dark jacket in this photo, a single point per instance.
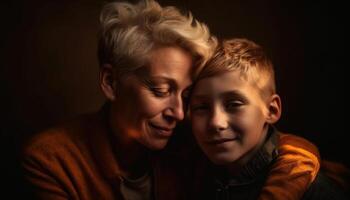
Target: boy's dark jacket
pixel 259 179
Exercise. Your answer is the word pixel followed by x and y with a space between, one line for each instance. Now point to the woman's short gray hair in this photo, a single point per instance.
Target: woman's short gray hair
pixel 130 31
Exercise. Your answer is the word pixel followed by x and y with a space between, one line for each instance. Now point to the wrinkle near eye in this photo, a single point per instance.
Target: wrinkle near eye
pixel 160 92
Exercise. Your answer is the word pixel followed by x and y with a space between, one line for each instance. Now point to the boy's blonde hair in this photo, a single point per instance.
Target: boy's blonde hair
pixel 246 57
pixel 130 31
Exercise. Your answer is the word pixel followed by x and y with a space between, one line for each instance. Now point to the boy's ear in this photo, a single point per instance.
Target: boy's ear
pixel 107 82
pixel 274 109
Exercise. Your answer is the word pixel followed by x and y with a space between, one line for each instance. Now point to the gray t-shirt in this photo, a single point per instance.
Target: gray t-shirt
pixel 137 189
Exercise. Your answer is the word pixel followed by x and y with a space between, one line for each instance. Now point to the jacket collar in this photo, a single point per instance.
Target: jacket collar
pixel 261 160
pixel 101 144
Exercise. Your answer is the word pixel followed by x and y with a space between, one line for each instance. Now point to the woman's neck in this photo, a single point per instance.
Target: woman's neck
pixel 133 158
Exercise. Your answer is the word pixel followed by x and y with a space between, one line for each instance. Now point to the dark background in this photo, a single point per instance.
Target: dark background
pixel 49 69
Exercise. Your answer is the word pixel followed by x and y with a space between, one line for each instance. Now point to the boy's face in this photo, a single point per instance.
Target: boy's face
pixel 228 118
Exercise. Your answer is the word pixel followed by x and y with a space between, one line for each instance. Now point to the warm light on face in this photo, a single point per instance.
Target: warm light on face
pixel 148 106
pixel 228 117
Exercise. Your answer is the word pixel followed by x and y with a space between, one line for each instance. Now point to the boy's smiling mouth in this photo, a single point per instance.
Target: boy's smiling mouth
pixel 221 140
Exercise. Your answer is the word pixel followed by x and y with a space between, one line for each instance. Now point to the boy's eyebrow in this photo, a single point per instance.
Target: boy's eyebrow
pixel 233 93
pixel 227 94
pixel 200 96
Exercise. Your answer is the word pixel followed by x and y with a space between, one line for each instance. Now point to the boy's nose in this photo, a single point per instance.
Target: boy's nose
pixel 218 120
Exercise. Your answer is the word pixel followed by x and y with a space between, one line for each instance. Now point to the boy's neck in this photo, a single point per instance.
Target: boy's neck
pixel 236 167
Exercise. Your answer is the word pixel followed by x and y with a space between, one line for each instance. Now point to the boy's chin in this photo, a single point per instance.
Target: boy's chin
pixel 223 158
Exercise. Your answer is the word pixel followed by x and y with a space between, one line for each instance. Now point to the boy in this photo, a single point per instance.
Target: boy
pixel 232 108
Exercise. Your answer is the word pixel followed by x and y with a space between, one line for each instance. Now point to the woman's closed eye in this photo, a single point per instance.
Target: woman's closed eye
pixel 161 91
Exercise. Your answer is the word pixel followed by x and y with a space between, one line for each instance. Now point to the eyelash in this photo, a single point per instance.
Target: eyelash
pixel 230 105
pixel 199 107
pixel 234 104
pixel 161 92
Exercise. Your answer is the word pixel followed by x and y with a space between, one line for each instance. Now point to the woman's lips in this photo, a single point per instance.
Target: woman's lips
pixel 162 130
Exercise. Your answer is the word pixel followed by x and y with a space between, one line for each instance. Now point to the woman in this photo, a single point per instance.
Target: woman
pixel 148 57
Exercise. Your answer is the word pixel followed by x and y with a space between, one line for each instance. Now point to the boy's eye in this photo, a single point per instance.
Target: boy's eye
pixel 199 107
pixel 186 94
pixel 161 92
pixel 234 104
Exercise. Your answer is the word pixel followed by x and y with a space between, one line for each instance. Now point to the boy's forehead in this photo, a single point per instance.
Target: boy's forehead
pixel 230 83
pixel 225 81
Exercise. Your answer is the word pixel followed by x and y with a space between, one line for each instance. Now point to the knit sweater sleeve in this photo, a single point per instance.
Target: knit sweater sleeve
pixel 295 169
pixel 42 179
pixel 44 168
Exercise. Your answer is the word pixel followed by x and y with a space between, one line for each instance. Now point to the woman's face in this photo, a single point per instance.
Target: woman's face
pixel 149 103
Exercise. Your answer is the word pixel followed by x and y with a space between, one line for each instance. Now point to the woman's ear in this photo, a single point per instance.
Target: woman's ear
pixel 107 82
pixel 274 109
